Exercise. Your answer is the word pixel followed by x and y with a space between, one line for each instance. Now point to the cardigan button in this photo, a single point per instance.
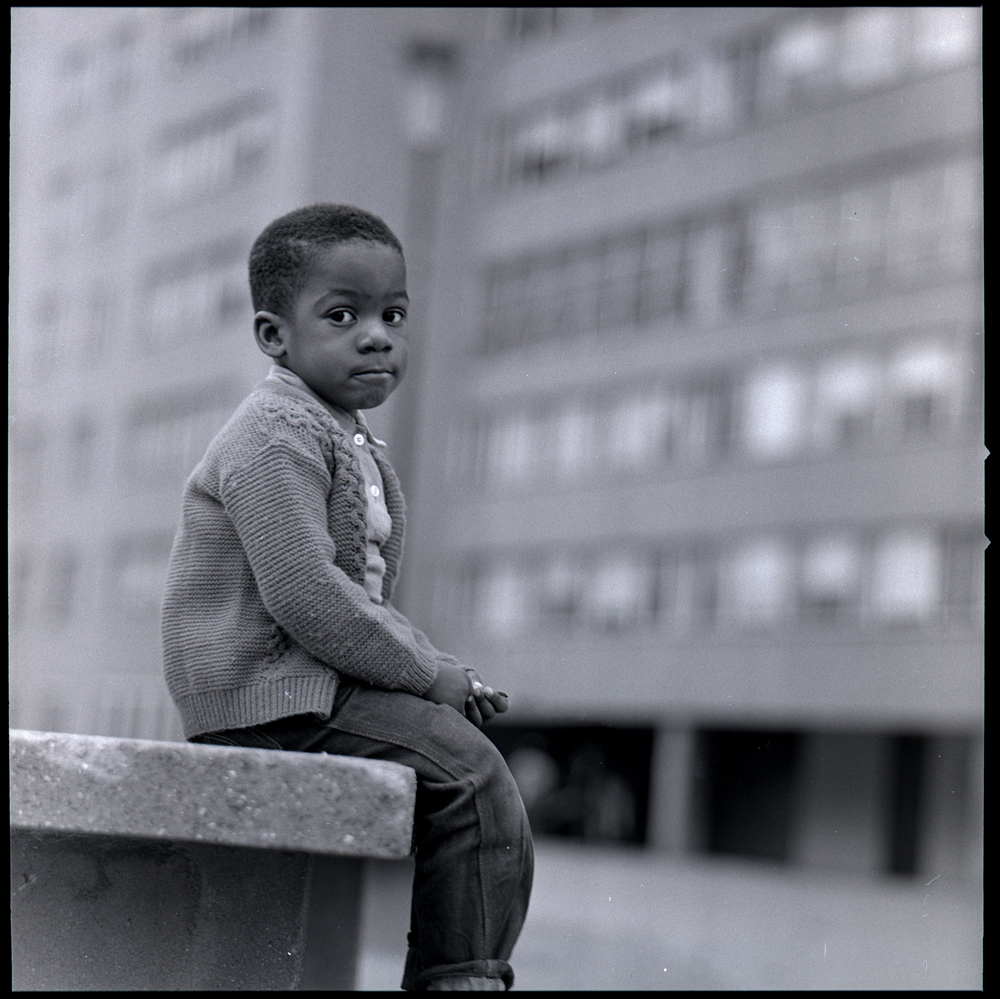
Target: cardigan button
pixel 359 439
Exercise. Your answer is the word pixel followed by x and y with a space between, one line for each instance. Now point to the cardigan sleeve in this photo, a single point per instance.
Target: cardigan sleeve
pixel 277 505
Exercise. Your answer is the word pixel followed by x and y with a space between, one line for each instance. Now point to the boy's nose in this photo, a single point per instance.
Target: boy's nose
pixel 374 336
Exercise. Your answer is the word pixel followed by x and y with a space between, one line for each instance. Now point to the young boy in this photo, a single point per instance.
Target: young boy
pixel 278 629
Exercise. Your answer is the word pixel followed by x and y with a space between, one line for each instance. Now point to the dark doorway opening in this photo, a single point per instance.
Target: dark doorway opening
pixel 588 782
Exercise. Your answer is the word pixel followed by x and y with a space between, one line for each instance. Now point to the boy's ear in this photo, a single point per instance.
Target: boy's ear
pixel 268 331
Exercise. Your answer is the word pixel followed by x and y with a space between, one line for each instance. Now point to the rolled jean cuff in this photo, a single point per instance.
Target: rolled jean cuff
pixel 467 969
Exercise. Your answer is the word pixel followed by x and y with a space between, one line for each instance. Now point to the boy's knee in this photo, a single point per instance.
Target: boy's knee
pixel 504 796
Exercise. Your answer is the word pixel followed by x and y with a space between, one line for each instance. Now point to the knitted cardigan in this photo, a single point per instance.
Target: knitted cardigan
pixel 264 603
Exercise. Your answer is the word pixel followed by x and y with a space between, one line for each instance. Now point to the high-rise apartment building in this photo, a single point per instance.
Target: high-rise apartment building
pixel 693 436
pixel 149 148
pixel 702 454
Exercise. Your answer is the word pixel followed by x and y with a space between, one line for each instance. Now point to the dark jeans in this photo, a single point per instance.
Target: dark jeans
pixel 474 855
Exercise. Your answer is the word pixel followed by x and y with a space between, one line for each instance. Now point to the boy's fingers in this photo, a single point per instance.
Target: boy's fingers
pixel 472 712
pixel 499 701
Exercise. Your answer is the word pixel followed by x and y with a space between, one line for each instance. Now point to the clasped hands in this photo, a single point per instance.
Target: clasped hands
pixel 463 689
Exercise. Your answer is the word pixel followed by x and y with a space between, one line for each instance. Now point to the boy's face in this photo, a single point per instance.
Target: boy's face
pixel 345 334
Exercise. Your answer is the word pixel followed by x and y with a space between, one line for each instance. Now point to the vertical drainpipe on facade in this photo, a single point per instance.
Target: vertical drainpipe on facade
pixel 429 68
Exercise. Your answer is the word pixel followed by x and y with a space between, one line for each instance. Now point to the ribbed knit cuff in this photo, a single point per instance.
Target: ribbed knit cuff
pixel 240 707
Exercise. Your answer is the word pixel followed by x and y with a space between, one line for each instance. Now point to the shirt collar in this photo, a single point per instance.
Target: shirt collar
pixel 349 422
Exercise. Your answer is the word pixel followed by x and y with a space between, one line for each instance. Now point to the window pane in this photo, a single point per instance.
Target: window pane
pixel 872 45
pixel 760 588
pixel 906 585
pixel 847 393
pixel 831 573
pixel 775 412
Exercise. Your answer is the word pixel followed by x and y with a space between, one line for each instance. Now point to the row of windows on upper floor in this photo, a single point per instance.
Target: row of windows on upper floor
pixel 905 390
pixel 103 71
pixel 890 233
pixel 805 60
pixel 90 197
pixel 155 448
pixel 199 295
pixel 855 579
pixel 910 391
pixel 53 586
pixel 537 23
pixel 852 578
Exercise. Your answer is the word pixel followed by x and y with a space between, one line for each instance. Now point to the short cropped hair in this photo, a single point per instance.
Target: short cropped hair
pixel 281 254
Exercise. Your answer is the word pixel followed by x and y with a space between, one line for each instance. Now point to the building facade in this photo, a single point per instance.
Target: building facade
pixel 693 434
pixel 149 148
pixel 707 429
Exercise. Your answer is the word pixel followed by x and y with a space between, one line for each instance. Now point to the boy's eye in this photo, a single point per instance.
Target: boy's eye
pixel 394 317
pixel 341 316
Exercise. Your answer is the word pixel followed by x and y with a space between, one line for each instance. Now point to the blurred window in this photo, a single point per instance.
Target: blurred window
pixel 62 579
pixel 927 383
pixel 101 322
pixel 873 38
pixel 197 296
pixel 637 430
pixel 800 62
pixel 846 401
pixel 860 242
pixel 200 33
pixel 815 224
pixel 584 269
pixel 707 420
pixel 618 298
pixel 514 446
pixel 660 106
pixel 516 304
pixel 100 71
pixel 504 602
pixel 83 440
pixel 560 591
pixel 575 438
pixel 163 441
pixel 139 574
pixel 22 571
pixel 963 574
pixel 546 306
pixel 619 593
pixel 532 22
pixel 809 60
pixel 960 248
pixel 215 153
pixel 775 412
pixel 56 328
pixel 830 579
pixel 28 457
pixel 946 36
pixel 599 129
pixel 724 85
pixel 662 282
pixel 906 577
pixel 914 224
pixel 695 592
pixel 769 249
pixel 542 146
pixel 760 582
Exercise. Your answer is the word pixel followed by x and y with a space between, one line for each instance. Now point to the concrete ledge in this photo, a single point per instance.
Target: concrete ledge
pixel 131 788
pixel 139 866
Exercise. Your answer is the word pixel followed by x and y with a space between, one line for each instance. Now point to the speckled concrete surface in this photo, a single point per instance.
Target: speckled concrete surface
pixel 210 794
